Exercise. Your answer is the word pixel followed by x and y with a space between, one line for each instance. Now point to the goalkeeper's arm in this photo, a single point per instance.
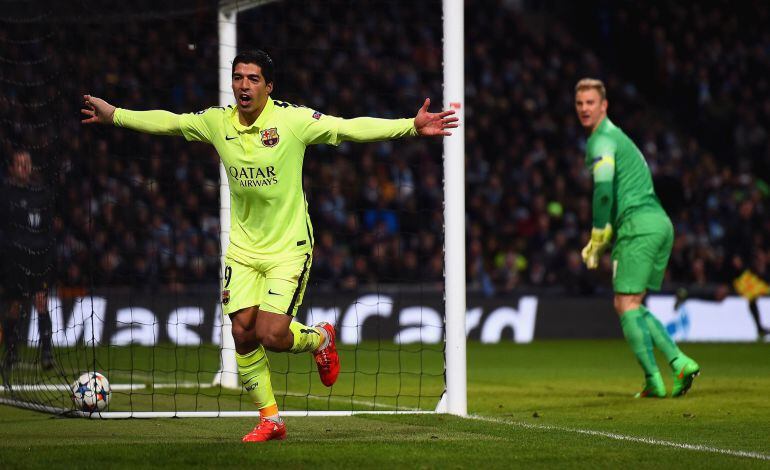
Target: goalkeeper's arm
pixel 601 233
pixel 150 122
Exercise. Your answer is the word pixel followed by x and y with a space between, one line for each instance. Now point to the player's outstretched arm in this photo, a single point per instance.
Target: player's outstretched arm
pixel 434 124
pixel 367 129
pixel 157 122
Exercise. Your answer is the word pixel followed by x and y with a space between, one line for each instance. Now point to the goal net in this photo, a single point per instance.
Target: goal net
pixel 139 222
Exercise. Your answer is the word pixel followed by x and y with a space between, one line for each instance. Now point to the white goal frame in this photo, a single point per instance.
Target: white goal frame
pixel 454 399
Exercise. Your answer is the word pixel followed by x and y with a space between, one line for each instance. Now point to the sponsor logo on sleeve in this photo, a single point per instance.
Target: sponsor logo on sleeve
pixel 317 115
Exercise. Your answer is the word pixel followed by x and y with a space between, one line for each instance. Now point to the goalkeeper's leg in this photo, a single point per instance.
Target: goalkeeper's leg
pixel 632 260
pixel 684 368
pixel 638 337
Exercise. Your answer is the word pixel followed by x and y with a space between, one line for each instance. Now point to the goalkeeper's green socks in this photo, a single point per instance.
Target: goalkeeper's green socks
pixel 254 370
pixel 306 338
pixel 662 340
pixel 638 337
pixel 683 367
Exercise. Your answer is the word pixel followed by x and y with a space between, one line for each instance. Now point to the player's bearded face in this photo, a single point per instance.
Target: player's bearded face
pixel 249 88
pixel 590 108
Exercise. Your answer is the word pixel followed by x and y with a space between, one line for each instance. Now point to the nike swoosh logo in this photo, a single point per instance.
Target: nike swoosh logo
pixel 270 291
pixel 227 137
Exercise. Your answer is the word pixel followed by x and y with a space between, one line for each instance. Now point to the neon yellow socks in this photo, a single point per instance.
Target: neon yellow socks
pixel 254 370
pixel 306 338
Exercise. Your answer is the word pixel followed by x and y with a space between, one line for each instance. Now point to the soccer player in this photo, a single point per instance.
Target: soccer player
pixel 262 144
pixel 26 219
pixel 625 204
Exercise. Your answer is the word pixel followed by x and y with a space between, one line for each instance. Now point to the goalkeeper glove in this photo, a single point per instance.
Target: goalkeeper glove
pixel 600 240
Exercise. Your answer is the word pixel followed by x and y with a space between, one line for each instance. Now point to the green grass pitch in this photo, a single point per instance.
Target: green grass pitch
pixel 546 404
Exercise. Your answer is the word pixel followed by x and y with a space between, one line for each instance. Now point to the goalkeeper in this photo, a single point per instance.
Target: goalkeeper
pixel 624 203
pixel 261 143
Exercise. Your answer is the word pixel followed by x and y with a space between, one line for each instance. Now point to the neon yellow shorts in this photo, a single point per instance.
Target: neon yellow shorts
pixel 276 286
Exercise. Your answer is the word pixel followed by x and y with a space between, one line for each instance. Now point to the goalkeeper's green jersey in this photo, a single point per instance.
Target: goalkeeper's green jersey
pixel 268 209
pixel 622 179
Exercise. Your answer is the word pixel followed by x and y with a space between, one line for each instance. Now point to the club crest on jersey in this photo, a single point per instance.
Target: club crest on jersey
pixel 225 297
pixel 269 137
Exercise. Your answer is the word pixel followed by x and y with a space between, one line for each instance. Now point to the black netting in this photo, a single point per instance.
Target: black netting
pixel 134 267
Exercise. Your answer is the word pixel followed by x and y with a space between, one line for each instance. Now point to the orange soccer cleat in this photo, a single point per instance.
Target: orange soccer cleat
pixel 266 430
pixel 327 359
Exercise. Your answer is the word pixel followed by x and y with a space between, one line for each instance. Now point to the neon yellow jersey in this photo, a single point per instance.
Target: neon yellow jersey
pixel 268 208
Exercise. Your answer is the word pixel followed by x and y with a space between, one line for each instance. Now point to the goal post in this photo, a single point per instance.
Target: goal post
pixel 454 210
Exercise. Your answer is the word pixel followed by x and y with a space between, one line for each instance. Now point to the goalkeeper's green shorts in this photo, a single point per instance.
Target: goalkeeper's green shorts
pixel 641 252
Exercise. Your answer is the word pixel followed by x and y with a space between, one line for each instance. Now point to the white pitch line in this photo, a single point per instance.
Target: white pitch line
pixel 623 437
pixel 339 399
pixel 115 387
pixel 140 386
pixel 348 400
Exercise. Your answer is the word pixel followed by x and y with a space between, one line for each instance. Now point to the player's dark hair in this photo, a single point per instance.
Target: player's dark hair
pixel 259 57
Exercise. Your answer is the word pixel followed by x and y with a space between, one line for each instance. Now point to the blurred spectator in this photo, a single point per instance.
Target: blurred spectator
pixel 143 211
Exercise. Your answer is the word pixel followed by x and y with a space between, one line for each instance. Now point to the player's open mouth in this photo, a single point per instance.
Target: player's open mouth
pixel 244 100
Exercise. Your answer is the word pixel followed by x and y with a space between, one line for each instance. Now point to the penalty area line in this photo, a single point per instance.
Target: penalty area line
pixel 624 437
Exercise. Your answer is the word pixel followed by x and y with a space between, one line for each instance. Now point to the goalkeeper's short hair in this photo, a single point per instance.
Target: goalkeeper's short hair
pixel 592 84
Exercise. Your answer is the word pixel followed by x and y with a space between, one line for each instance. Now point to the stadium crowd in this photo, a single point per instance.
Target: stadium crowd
pixel 708 64
pixel 143 211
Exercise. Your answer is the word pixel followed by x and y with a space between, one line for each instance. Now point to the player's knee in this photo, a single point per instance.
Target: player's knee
pixel 266 339
pixel 273 340
pixel 626 302
pixel 618 304
pixel 242 336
